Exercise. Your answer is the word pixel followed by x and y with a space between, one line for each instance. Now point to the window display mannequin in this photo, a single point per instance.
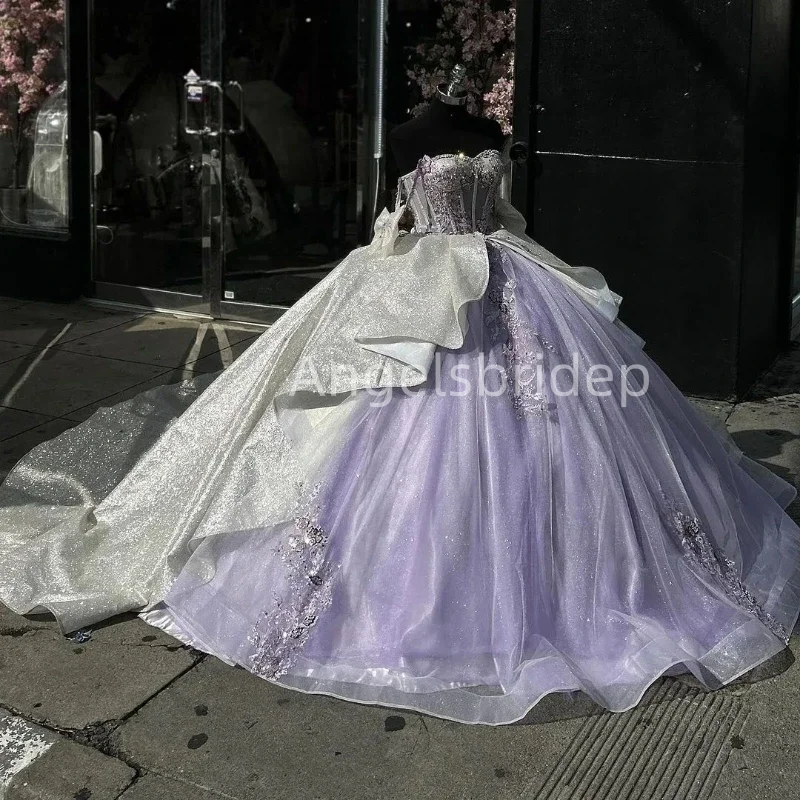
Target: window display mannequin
pixel 444 127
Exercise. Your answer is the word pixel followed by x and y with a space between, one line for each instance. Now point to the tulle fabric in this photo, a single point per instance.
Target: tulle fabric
pixel 481 553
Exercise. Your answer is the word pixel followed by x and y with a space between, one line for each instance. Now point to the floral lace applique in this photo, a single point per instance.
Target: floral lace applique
pixel 701 551
pixel 521 345
pixel 281 631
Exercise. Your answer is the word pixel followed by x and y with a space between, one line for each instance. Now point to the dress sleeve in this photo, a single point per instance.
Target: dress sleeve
pixel 507 215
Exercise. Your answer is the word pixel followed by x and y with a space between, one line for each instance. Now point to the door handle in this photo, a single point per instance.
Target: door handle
pixel 238 87
pixel 97 153
pixel 519 153
pixel 197 92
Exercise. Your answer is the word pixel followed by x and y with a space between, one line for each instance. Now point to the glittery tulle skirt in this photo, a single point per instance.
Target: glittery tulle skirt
pixel 545 513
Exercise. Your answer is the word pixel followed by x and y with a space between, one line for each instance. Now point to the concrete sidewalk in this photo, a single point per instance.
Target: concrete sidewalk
pixel 125 711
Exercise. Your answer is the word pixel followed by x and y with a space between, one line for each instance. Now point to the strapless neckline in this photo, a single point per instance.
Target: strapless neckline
pixel 453 192
pixel 462 156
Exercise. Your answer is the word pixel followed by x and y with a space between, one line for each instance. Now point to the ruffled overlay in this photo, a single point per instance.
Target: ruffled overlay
pixel 303 516
pixel 83 537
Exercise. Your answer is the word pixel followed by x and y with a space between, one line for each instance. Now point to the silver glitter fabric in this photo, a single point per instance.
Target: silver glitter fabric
pixel 702 552
pixel 103 518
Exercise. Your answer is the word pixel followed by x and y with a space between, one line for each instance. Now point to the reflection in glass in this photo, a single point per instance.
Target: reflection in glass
pixel 48 174
pixel 304 68
pixel 296 173
pixel 33 116
pixel 148 191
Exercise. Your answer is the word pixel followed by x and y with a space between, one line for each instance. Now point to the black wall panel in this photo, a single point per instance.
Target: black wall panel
pixel 661 133
pixel 664 234
pixel 769 191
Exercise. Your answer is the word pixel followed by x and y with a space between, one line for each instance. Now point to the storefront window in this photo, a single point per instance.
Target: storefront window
pixel 33 115
pixel 242 168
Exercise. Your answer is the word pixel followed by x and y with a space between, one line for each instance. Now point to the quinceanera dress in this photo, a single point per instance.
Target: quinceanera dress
pixel 375 503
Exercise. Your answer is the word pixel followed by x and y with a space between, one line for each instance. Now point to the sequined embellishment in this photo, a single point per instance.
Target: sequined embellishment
pixel 702 551
pixel 519 343
pixel 280 633
pixel 456 193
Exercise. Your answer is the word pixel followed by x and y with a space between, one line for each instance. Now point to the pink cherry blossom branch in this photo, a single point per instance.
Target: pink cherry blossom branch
pixel 31 38
pixel 479 34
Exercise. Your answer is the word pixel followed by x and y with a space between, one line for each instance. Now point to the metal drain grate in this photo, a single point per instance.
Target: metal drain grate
pixel 672 746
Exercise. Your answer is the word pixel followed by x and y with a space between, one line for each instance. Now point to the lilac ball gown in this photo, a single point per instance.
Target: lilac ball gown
pixel 378 502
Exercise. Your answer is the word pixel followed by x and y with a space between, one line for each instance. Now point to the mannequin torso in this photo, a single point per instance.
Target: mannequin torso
pixel 442 128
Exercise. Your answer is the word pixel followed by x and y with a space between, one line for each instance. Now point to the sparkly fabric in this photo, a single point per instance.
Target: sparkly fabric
pixel 464 557
pixel 521 345
pixel 481 558
pixel 280 633
pixel 103 518
pixel 454 193
pixel 702 551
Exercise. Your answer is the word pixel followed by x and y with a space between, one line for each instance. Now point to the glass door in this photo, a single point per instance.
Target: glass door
pixel 231 136
pixel 312 89
pixel 294 162
pixel 150 201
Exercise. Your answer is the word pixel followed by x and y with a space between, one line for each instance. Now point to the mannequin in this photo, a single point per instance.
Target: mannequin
pixel 444 127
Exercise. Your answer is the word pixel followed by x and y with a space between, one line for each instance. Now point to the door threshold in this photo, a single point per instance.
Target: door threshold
pixel 119 305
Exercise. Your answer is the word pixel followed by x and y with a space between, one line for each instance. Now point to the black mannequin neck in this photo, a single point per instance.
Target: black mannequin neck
pixel 442 128
pixel 445 114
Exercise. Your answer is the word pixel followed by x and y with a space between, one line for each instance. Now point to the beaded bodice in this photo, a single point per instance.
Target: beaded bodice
pixel 453 193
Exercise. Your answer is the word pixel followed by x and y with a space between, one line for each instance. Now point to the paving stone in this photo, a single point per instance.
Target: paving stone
pixel 13 421
pixel 69 771
pixel 716 408
pixel 220 360
pixel 224 730
pixel 58 382
pixel 11 350
pixel 12 624
pixel 154 787
pixel 769 431
pixel 783 377
pixel 44 324
pixel 51 679
pixel 160 340
pixel 21 743
pixel 764 762
pixel 7 303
